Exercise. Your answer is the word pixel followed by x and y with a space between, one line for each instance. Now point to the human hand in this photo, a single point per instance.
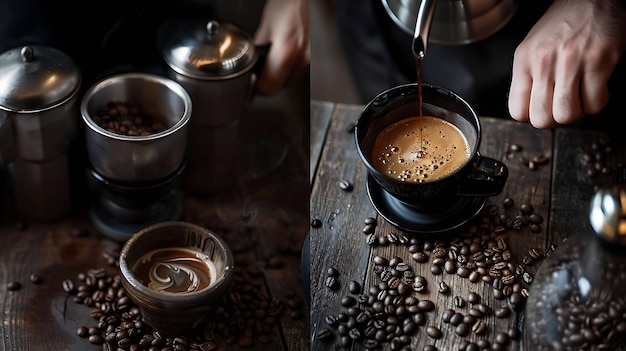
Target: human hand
pixel 561 69
pixel 284 23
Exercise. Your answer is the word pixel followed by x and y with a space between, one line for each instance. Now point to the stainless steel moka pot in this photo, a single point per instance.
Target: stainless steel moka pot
pixel 39 121
pixel 217 63
pixel 452 22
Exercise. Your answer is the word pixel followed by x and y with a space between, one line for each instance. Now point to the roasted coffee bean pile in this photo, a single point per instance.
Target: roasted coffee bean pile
pixel 127 119
pixel 573 310
pixel 245 316
pixel 391 313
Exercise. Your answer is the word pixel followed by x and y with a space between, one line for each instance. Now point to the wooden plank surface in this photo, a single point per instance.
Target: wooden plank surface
pixel 558 191
pixel 320 118
pixel 263 217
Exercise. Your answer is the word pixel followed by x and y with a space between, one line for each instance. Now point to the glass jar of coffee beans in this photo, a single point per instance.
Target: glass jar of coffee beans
pixel 578 298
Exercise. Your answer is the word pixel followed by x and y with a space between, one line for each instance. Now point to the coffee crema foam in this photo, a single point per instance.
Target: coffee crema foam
pixel 175 270
pixel 400 153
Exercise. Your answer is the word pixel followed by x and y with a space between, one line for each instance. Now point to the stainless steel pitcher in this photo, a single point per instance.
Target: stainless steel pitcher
pixel 452 22
pixel 39 88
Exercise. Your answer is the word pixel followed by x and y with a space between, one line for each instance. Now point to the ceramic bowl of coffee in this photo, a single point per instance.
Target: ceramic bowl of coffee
pixel 175 272
pixel 429 156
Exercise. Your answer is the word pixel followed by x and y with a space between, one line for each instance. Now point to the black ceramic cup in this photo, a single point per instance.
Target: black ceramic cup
pixel 480 176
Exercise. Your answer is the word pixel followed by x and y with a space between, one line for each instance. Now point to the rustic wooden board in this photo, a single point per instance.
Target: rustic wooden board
pixel 264 219
pixel 320 118
pixel 350 257
pixel 339 241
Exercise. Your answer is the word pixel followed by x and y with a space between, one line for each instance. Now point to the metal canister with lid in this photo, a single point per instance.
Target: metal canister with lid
pixel 216 63
pixel 39 88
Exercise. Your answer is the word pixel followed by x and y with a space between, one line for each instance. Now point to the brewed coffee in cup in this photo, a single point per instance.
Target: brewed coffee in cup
pixel 436 163
pixel 420 149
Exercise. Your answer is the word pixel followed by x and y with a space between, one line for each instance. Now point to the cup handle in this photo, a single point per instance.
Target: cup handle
pixel 486 178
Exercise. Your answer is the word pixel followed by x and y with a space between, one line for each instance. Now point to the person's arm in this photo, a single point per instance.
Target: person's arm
pixel 561 69
pixel 284 23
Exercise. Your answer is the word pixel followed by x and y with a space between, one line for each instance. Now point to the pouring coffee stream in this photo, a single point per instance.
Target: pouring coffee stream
pixel 420 39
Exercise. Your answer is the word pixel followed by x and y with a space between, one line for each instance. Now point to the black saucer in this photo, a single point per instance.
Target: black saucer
pixel 435 219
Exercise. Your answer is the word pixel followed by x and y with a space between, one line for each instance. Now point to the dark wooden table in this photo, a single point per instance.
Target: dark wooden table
pixel 263 217
pixel 558 190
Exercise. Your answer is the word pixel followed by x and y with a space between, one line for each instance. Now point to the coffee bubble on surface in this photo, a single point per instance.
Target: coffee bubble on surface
pixel 420 149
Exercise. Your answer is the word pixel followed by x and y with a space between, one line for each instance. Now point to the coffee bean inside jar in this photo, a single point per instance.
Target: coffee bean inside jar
pixel 126 118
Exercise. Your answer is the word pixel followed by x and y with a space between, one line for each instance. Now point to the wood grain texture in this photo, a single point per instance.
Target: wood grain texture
pixel 263 218
pixel 558 190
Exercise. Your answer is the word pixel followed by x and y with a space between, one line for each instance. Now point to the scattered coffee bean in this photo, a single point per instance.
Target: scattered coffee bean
pixel 473 298
pixel 513 333
pixel 433 332
pixel 443 287
pixel 14 286
pixel 332 272
pixel 459 302
pixel 526 208
pixel 35 279
pixel 392 238
pixel 456 319
pixel 354 287
pixel 82 331
pixel 370 220
pixel 379 260
pixel 502 338
pixel 345 185
pixel 508 202
pixel 436 270
pixel 348 301
pixel 96 339
pixel 331 283
pixel 540 159
pixel 419 257
pixel 515 148
pixel 502 312
pixel 447 315
pixel 462 329
pixel 316 223
pixel 369 228
pixel 479 327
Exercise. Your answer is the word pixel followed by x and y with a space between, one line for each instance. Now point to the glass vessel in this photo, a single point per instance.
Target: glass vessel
pixel 578 298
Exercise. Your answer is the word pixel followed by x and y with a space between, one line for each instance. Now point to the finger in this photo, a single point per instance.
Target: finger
pixel 519 93
pixel 595 93
pixel 566 104
pixel 278 65
pixel 541 97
